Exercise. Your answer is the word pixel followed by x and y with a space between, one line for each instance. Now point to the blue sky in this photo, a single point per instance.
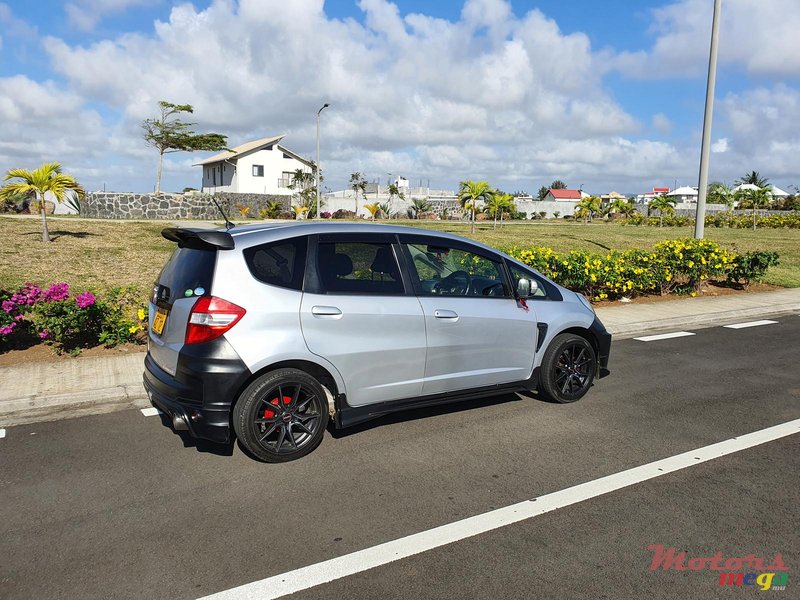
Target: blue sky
pixel 605 94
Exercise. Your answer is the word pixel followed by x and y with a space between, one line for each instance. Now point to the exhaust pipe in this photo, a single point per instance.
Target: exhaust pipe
pixel 179 423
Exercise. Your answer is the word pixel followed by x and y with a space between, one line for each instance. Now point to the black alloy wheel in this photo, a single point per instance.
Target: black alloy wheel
pixel 281 416
pixel 568 368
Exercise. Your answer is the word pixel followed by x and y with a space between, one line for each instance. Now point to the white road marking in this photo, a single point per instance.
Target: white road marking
pixel 150 412
pixel 749 324
pixel 369 558
pixel 2 433
pixel 664 336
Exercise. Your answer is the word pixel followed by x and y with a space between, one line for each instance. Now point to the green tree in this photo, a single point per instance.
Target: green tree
pixel 305 191
pixel 754 178
pixel 470 192
pixel 394 192
pixel 358 184
pixel 168 133
pixel 558 185
pixel 588 207
pixel 499 203
pixel 623 207
pixel 719 193
pixel 542 192
pixel 754 199
pixel 664 205
pixel 420 205
pixel 47 178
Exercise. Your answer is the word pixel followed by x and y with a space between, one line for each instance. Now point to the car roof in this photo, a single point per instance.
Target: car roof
pixel 249 235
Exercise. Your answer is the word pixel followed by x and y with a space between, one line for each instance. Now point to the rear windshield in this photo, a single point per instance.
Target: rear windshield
pixel 187 273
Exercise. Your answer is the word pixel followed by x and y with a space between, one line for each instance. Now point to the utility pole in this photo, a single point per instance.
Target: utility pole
pixel 324 106
pixel 705 149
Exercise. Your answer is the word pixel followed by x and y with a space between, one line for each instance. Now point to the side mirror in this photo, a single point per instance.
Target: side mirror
pixel 526 287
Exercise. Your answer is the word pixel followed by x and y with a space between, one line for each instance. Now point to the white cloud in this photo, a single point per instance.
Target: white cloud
pixel 85 14
pixel 491 95
pixel 41 122
pixel 764 126
pixel 759 36
pixel 720 146
pixel 662 123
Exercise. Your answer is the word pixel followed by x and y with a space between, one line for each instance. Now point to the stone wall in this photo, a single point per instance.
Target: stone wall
pixel 125 205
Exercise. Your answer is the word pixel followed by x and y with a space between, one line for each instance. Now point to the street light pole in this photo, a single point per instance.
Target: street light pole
pixel 324 106
pixel 705 150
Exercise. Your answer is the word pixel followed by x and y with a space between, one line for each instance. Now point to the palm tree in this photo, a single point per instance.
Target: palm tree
pixel 587 207
pixel 299 211
pixel 469 192
pixel 623 207
pixel 358 184
pixel 373 209
pixel 663 204
pixel 47 178
pixel 719 193
pixel 755 178
pixel 498 204
pixel 420 205
pixel 753 198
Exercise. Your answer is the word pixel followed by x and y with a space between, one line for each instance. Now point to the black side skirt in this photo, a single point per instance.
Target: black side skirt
pixel 347 416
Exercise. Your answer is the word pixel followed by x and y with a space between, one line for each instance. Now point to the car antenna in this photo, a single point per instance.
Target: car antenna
pixel 228 224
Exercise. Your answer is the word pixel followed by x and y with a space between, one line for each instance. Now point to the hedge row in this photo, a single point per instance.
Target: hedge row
pixel 774 221
pixel 673 266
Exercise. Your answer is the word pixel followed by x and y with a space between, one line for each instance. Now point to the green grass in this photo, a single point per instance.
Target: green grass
pixel 97 254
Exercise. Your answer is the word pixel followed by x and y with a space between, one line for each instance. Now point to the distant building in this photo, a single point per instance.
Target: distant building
pixel 554 195
pixel 684 194
pixel 772 190
pixel 647 196
pixel 258 167
pixel 611 196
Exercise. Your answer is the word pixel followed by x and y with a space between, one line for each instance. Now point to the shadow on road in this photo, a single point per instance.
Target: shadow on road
pixel 431 411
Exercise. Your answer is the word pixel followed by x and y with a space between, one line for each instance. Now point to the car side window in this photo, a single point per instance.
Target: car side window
pixel 358 268
pixel 278 263
pixel 517 274
pixel 443 270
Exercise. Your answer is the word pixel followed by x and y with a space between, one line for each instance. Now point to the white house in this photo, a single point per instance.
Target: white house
pixel 684 194
pixel 258 167
pixel 772 190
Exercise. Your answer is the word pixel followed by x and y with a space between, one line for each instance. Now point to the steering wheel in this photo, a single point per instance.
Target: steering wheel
pixel 455 284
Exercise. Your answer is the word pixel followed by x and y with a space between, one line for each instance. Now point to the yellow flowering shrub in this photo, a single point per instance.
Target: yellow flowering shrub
pixel 672 266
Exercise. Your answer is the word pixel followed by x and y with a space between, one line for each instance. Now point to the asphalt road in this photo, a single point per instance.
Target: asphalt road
pixel 119 506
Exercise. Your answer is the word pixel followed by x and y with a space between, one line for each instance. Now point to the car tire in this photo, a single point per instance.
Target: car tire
pixel 568 369
pixel 281 416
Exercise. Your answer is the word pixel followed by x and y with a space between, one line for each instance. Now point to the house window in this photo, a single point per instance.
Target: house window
pixel 214 175
pixel 258 170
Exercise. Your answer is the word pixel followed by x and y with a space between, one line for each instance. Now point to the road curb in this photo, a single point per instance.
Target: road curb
pixel 34 409
pixel 621 332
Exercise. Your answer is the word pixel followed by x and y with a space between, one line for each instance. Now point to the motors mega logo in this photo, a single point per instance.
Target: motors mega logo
pixel 750 570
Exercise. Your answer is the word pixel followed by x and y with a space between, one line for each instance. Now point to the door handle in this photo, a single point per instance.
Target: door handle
pixel 445 314
pixel 331 312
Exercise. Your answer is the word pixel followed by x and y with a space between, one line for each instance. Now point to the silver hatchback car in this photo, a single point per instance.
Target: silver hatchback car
pixel 272 330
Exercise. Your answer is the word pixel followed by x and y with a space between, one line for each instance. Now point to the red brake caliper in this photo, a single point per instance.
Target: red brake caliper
pixel 268 414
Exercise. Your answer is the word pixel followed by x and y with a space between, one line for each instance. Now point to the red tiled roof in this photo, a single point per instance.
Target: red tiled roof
pixel 660 190
pixel 566 194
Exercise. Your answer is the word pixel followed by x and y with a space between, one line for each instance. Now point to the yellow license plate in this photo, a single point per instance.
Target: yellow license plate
pixel 160 320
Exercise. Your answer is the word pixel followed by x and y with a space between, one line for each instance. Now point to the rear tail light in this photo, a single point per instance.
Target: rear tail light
pixel 210 318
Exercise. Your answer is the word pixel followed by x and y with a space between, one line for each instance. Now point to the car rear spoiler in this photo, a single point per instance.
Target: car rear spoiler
pixel 199 239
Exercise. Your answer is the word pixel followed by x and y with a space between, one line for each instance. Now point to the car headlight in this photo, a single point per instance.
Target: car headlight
pixel 585 302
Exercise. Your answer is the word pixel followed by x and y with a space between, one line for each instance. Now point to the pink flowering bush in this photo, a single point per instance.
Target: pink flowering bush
pixel 71 323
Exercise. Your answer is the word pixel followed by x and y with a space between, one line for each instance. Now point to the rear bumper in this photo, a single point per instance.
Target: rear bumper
pixel 207 379
pixel 603 346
